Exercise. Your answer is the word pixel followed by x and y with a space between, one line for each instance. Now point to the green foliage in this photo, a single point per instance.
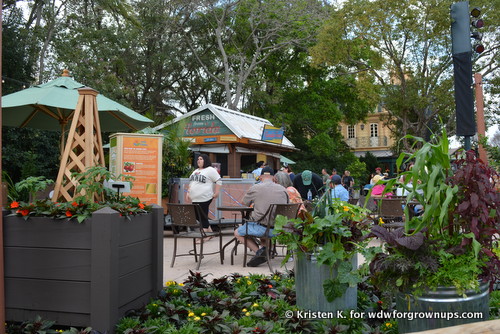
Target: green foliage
pixel 429 186
pixel 30 152
pixel 371 163
pixel 310 109
pixel 127 323
pixel 453 242
pixel 91 183
pixel 17 66
pixel 493 153
pixel 333 236
pixel 32 185
pixel 247 304
pixel 401 57
pixel 358 172
pixel 495 304
pixel 12 193
pixel 453 271
pixel 35 326
pixel 176 161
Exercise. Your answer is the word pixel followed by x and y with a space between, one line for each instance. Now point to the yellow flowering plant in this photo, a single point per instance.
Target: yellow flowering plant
pixel 333 231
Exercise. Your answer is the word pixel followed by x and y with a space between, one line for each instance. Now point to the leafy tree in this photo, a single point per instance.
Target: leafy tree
pixel 30 152
pixel 371 162
pixel 47 17
pixel 358 173
pixel 309 103
pixel 244 34
pixel 16 67
pixel 403 48
pixel 143 63
pixel 493 149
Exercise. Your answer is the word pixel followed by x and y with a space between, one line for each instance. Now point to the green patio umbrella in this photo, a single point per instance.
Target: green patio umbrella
pixel 286 160
pixel 50 106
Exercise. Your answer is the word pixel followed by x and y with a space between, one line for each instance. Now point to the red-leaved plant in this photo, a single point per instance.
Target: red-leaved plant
pixel 454 242
pixel 478 208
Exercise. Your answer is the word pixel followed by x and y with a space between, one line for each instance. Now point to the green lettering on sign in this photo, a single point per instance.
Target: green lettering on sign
pixel 205 123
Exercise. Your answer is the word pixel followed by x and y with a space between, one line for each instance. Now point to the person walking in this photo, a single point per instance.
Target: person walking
pixel 204 185
pixel 348 182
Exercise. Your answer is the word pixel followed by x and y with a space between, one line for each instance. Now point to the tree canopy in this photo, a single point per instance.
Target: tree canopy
pixel 403 50
pixel 303 64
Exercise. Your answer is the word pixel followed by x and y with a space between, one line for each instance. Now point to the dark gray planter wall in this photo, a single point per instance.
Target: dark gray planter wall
pixel 86 274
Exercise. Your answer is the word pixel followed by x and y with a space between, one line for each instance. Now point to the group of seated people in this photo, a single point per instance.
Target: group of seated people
pixel 278 188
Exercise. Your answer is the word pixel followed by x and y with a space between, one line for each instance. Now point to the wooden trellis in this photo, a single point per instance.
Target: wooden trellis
pixel 83 147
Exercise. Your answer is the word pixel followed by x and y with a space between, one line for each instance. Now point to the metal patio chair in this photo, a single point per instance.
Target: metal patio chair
pixel 186 225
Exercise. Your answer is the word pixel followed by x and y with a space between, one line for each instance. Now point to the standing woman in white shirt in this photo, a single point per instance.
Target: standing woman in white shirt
pixel 204 186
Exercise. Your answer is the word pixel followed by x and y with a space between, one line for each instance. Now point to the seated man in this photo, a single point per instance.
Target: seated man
pixel 338 190
pixel 260 196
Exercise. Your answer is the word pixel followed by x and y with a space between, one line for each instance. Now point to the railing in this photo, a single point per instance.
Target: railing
pixel 367 142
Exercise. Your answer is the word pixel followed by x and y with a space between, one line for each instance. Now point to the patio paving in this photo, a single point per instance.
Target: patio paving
pixel 211 265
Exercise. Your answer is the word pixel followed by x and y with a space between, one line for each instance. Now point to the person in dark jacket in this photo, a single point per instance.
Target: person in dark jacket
pixel 306 181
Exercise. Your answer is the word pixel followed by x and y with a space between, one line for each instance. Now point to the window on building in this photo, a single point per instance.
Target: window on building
pixel 350 132
pixel 374 130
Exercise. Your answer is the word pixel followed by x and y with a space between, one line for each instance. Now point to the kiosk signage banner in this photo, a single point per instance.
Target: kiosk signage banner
pixel 272 134
pixel 205 123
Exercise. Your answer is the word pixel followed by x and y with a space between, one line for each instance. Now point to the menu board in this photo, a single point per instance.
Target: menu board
pixel 139 156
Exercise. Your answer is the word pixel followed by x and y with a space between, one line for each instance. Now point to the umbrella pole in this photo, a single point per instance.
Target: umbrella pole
pixel 61 148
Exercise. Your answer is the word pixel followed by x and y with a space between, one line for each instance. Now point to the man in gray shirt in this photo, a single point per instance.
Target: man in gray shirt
pixel 261 196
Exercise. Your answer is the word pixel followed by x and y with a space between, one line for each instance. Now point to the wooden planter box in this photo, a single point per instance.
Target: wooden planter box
pixel 87 274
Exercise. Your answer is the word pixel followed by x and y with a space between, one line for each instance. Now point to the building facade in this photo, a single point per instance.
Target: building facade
pixel 371 136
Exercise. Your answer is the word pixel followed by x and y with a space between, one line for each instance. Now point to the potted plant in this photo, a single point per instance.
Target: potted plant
pixel 325 246
pixel 176 161
pixel 443 260
pixel 83 262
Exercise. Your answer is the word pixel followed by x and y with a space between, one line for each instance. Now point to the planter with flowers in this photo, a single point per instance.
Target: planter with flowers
pixel 445 259
pixel 325 246
pixel 82 263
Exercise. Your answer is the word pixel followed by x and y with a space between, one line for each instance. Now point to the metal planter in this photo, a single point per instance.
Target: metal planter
pixel 309 278
pixel 441 308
